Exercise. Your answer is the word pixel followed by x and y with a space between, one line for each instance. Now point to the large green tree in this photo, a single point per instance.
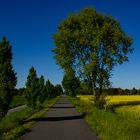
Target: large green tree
pixel 8 78
pixel 91 43
pixel 32 88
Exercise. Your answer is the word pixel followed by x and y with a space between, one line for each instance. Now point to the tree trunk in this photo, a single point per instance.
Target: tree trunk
pixel 93 83
pixel 93 88
pixel 101 90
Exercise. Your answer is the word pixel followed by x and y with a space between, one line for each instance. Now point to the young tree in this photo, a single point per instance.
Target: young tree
pixel 32 88
pixel 8 78
pixel 92 44
pixel 50 90
pixel 41 95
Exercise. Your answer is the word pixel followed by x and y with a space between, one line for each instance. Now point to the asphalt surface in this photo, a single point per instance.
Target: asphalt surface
pixel 61 122
pixel 16 109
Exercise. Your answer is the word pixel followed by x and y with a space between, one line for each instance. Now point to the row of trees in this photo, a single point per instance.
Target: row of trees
pixel 120 91
pixel 90 44
pixel 73 86
pixel 36 91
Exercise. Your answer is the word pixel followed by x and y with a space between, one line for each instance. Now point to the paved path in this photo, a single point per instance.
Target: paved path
pixel 16 109
pixel 61 122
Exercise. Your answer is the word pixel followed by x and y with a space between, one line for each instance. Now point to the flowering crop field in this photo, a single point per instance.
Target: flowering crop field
pixel 132 110
pixel 113 99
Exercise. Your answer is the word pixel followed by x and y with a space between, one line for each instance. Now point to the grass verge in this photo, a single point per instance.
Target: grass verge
pixel 18 100
pixel 108 125
pixel 18 123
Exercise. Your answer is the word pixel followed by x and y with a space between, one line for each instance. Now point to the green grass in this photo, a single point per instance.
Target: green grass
pixel 17 123
pixel 17 101
pixel 109 125
pixel 132 110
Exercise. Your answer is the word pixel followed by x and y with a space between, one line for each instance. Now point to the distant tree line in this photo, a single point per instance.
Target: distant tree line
pixel 120 91
pixel 73 86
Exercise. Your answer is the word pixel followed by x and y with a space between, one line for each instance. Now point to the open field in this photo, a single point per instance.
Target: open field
pixel 114 99
pixel 132 110
pixel 127 104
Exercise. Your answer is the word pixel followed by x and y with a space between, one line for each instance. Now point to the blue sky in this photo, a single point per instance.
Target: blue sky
pixel 30 24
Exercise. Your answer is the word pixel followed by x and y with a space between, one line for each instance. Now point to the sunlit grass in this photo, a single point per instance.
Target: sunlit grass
pixel 17 123
pixel 131 110
pixel 107 124
pixel 126 104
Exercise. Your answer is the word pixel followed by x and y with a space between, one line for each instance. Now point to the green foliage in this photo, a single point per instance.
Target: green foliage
pixel 134 91
pixel 41 95
pixel 108 125
pixel 32 88
pixel 58 90
pixel 7 76
pixel 85 88
pixel 14 119
pixel 21 91
pixel 70 84
pixel 119 91
pixel 37 91
pixel 17 100
pixel 91 44
pixel 100 102
pixel 50 90
pixel 17 123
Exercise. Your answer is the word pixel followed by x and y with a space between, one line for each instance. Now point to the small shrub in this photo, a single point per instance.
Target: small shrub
pixel 100 102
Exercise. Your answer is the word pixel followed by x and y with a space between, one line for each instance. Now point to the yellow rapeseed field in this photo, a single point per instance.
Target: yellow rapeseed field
pixel 129 108
pixel 133 110
pixel 113 99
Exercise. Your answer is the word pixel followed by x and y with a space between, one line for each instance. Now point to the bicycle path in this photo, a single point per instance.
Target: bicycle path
pixel 61 122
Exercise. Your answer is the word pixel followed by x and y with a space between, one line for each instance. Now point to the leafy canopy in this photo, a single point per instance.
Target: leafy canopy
pixel 91 44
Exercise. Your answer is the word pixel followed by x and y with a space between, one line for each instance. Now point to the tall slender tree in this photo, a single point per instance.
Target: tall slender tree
pixel 8 78
pixel 50 90
pixel 32 88
pixel 41 95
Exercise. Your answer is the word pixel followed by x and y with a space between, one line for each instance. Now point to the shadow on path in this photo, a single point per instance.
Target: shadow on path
pixel 62 103
pixel 61 107
pixel 57 118
pixel 61 122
